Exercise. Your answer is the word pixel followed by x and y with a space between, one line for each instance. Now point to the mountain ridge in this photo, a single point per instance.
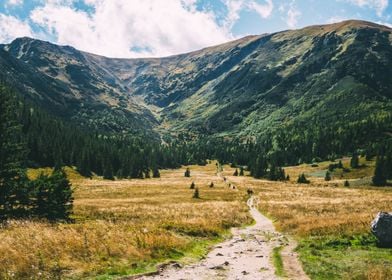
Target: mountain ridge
pixel 242 87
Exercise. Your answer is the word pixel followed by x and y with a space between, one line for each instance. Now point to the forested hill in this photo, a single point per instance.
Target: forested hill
pixel 303 94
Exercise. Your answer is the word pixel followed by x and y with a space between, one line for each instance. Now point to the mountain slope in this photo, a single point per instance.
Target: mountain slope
pixel 258 82
pixel 242 88
pixel 66 84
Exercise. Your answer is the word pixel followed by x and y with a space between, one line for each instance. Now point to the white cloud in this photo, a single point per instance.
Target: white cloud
pixel 292 16
pixel 336 19
pixel 385 23
pixel 11 28
pixel 14 2
pixel 264 10
pixel 132 28
pixel 234 7
pixel 378 5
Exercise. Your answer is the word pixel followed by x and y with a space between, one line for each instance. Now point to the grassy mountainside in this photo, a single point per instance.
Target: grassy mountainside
pixel 335 74
pixel 261 82
pixel 62 81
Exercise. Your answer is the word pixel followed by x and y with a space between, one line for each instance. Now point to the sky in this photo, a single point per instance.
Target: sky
pixel 155 28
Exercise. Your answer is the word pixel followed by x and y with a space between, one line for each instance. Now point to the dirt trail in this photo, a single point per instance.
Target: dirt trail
pixel 245 256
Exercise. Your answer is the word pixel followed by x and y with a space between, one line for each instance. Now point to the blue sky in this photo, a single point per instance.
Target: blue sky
pixel 137 28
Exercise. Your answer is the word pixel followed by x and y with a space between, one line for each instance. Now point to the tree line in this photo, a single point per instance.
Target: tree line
pixel 49 196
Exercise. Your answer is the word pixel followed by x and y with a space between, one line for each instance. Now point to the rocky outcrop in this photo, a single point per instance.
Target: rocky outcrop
pixel 382 229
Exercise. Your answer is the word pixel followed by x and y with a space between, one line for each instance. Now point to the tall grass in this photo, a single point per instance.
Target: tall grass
pixel 123 227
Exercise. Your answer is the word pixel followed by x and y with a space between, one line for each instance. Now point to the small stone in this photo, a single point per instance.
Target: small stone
pixel 218 267
pixel 219 255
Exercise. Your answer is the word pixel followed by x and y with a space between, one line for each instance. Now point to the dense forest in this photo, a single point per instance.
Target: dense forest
pixel 51 141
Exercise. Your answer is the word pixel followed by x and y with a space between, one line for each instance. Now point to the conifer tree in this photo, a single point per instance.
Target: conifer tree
pixel 235 172
pixel 327 176
pixel 53 198
pixel 14 191
pixel 380 178
pixel 187 173
pixel 196 194
pixel 340 164
pixel 108 171
pixel 192 186
pixel 241 171
pixel 354 163
pixel 302 179
pixel 346 183
pixel 155 173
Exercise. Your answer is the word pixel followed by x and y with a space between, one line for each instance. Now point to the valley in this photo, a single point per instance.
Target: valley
pixel 264 157
pixel 130 226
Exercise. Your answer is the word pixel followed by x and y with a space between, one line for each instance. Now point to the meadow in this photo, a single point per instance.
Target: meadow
pixel 129 226
pixel 124 227
pixel 330 221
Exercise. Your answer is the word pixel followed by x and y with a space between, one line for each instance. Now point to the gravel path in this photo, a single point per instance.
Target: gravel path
pixel 245 256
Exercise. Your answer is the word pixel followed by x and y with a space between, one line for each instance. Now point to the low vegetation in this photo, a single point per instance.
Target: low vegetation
pixel 124 227
pixel 330 220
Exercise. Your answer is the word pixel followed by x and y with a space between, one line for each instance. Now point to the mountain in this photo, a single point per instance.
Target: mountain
pixel 325 74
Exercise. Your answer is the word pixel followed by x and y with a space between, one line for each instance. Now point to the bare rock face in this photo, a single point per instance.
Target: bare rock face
pixel 382 229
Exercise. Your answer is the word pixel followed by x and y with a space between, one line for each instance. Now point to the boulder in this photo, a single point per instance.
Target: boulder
pixel 382 229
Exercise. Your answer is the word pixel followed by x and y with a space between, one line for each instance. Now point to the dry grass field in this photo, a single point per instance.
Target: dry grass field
pixel 124 227
pixel 332 222
pixel 128 226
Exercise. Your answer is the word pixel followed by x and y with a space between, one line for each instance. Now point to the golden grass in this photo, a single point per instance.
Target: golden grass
pixel 122 226
pixel 320 207
pixel 127 226
pixel 325 217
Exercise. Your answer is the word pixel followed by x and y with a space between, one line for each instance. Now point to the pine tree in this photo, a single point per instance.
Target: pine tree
pixel 14 191
pixel 53 198
pixel 196 194
pixel 302 179
pixel 192 186
pixel 354 163
pixel 187 173
pixel 242 171
pixel 155 173
pixel 380 178
pixel 108 171
pixel 327 176
pixel 211 184
pixel 346 183
pixel 388 165
pixel 235 172
pixel 340 164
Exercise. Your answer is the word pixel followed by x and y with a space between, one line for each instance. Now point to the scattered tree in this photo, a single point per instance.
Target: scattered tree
pixel 196 193
pixel 212 185
pixel 354 163
pixel 346 183
pixel 193 185
pixel 235 172
pixel 380 177
pixel 242 171
pixel 327 176
pixel 302 179
pixel 187 173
